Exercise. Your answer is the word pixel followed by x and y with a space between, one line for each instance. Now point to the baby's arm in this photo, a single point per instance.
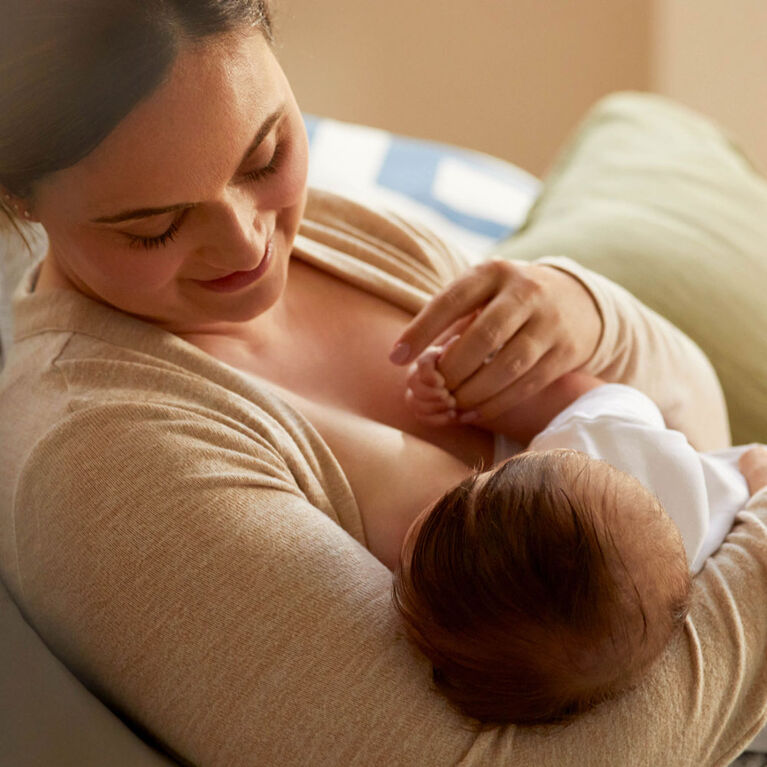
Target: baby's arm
pixel 753 466
pixel 531 416
pixel 433 404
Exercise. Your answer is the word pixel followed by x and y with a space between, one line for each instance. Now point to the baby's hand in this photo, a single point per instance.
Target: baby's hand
pixel 753 466
pixel 426 394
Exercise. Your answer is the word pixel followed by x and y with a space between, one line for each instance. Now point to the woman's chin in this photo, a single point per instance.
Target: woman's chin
pixel 206 310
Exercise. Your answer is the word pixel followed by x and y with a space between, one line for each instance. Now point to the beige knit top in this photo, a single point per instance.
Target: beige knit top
pixel 188 545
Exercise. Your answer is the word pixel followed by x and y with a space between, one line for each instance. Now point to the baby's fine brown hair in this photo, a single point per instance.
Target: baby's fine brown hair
pixel 544 589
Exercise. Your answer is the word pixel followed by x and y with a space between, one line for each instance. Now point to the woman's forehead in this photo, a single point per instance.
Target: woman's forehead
pixel 191 132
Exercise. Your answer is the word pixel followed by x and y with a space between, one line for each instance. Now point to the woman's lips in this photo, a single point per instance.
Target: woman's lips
pixel 238 280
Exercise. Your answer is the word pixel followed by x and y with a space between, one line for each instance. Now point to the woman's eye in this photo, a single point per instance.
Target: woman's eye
pixel 271 167
pixel 147 243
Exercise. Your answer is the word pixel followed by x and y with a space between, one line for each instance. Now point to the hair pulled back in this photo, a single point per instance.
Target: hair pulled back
pixel 70 70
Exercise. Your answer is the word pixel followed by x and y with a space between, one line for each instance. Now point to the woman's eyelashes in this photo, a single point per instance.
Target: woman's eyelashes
pixel 269 168
pixel 148 243
pixel 135 241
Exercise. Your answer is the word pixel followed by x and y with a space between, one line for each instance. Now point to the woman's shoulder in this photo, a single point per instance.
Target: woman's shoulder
pixel 369 241
pixel 73 382
pixel 88 423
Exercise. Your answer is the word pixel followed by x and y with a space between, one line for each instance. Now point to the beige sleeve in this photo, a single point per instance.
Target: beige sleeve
pixel 173 563
pixel 640 348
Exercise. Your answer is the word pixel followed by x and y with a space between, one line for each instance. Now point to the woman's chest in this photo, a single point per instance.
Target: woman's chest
pixel 335 360
pixel 333 368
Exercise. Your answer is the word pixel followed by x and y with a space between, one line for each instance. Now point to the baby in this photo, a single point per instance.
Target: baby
pixel 553 581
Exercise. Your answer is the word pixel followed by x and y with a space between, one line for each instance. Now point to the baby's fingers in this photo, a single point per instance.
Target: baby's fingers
pixel 753 466
pixel 425 393
pixel 425 368
pixel 424 378
pixel 434 413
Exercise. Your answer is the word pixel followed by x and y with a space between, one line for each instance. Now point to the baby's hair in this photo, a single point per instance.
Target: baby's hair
pixel 534 602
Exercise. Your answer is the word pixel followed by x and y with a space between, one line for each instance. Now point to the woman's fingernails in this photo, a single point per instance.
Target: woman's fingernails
pixel 400 354
pixel 468 417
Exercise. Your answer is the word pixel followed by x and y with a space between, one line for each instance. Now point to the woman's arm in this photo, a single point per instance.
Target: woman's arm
pixel 531 416
pixel 177 567
pixel 432 403
pixel 539 321
pixel 642 349
pixel 528 325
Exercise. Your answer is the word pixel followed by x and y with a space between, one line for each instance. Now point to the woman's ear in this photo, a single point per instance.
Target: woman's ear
pixel 17 206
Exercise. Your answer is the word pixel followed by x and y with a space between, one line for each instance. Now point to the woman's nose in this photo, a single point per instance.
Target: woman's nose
pixel 236 236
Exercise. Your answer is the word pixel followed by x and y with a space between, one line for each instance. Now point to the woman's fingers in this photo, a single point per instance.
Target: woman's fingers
pixel 453 333
pixel 523 326
pixel 544 372
pixel 534 357
pixel 458 300
pixel 482 341
pixel 753 466
pixel 509 364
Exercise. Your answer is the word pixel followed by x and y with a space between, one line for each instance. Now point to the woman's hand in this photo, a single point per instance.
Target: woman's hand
pixel 753 466
pixel 525 325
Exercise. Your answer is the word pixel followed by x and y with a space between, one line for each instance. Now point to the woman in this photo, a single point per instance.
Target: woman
pixel 174 522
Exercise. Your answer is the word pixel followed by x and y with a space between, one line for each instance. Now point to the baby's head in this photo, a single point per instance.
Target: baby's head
pixel 542 587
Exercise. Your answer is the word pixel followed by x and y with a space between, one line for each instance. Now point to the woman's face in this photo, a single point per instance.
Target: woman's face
pixel 185 215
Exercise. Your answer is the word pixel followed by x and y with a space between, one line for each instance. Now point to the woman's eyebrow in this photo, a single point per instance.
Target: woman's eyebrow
pixel 140 213
pixel 128 215
pixel 263 132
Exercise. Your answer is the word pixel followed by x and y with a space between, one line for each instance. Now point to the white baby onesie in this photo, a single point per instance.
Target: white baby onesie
pixel 701 492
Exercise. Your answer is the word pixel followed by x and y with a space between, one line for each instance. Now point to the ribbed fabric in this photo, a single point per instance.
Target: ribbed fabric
pixel 188 545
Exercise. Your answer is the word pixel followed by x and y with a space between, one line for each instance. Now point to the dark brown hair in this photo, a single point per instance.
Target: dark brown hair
pixel 70 71
pixel 532 602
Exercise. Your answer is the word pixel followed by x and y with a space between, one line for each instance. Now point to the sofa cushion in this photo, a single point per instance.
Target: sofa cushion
pixel 660 200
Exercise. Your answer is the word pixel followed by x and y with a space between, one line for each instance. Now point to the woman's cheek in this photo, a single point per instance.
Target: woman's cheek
pixel 114 263
pixel 292 180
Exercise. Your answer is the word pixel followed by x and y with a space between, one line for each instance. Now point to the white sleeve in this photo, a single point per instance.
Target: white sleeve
pixel 622 426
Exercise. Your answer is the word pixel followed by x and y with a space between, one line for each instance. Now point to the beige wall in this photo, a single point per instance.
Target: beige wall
pixel 512 77
pixel 509 78
pixel 712 55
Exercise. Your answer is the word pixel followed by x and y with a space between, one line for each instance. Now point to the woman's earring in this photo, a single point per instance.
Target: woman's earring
pixel 22 212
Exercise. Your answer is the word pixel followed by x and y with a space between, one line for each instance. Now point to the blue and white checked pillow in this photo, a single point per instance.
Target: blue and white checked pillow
pixel 470 199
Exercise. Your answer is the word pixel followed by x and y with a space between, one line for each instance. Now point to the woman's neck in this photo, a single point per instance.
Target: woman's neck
pixel 269 336
pixel 49 277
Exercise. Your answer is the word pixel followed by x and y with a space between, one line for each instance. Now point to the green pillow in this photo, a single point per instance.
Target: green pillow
pixel 658 199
